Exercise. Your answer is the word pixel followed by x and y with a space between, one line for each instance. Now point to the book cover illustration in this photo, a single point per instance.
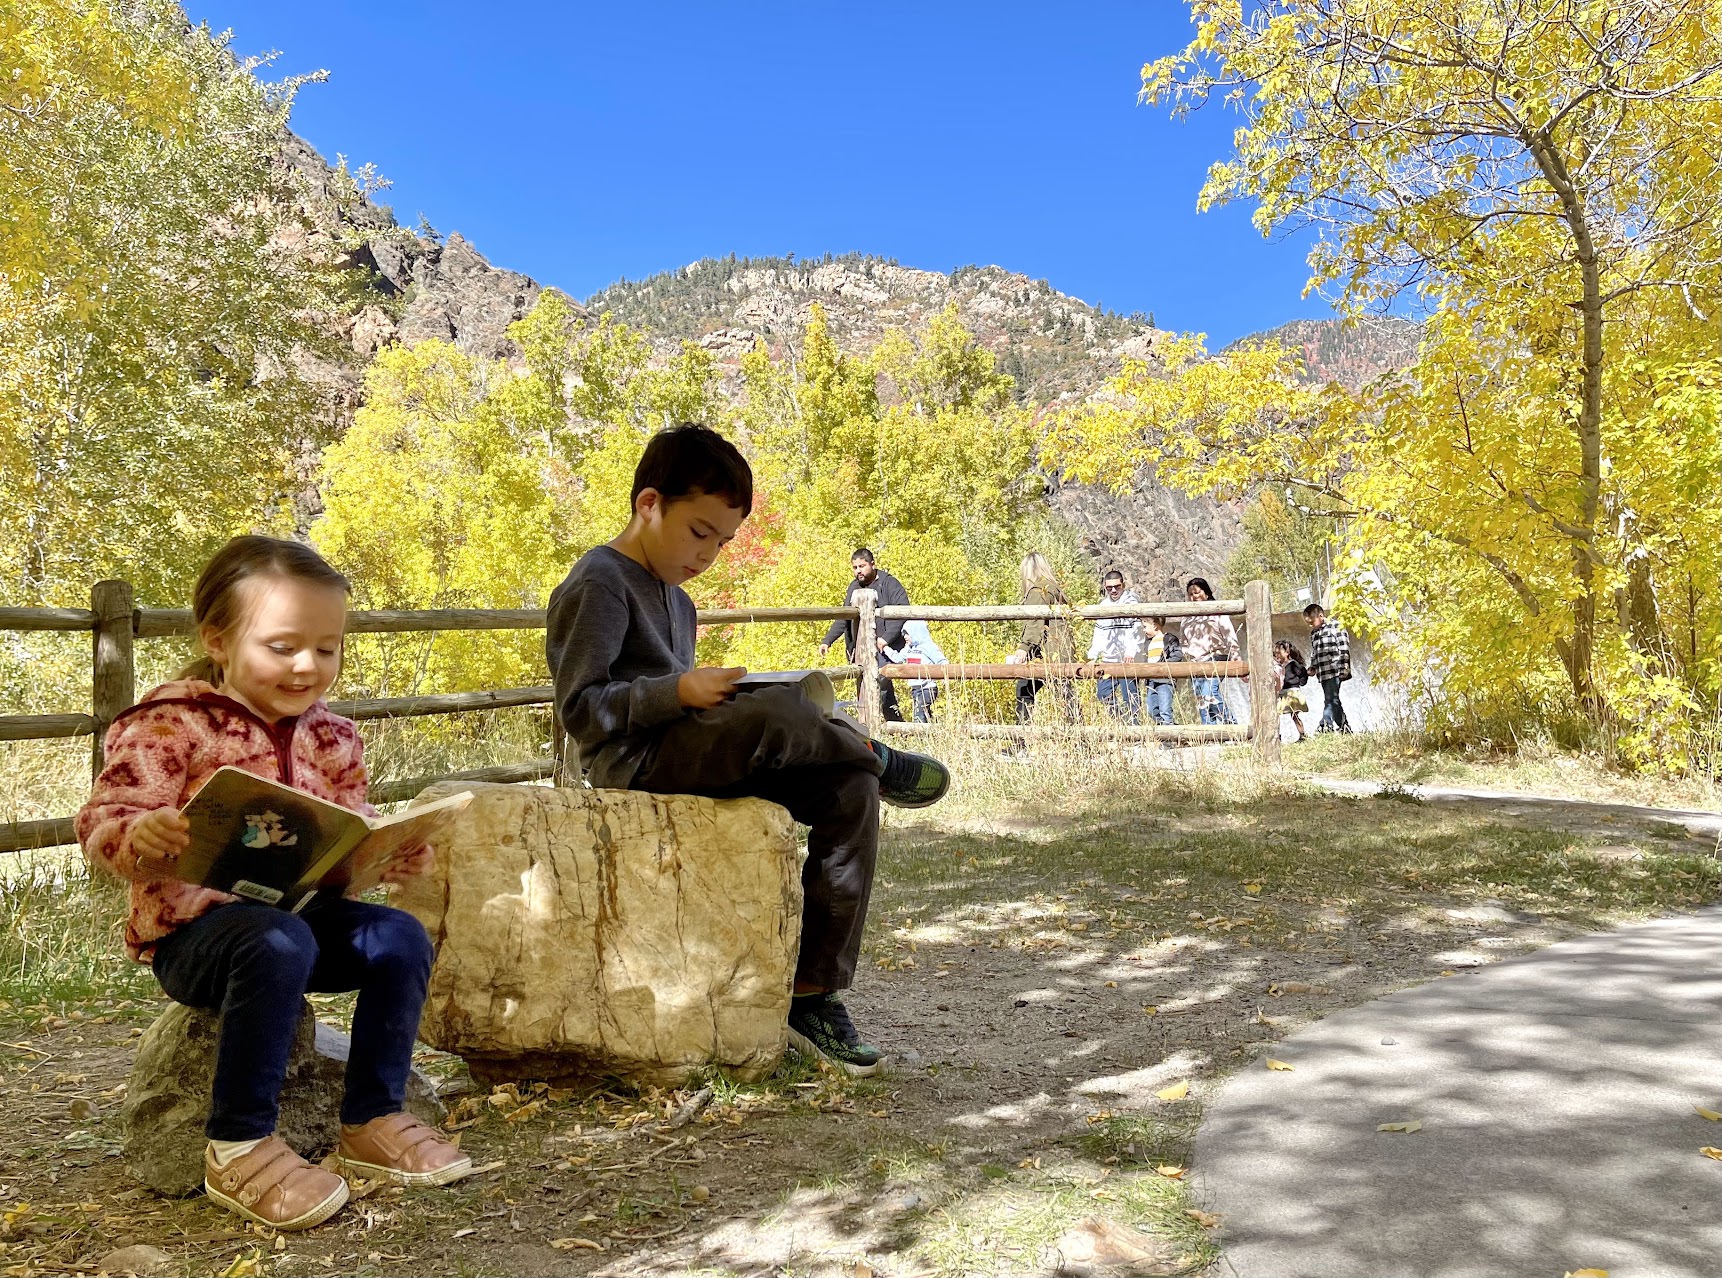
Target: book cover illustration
pixel 267 842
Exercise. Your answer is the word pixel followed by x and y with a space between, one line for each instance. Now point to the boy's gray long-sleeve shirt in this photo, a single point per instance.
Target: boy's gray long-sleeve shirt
pixel 617 640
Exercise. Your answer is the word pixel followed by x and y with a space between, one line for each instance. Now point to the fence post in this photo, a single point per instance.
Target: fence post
pixel 113 680
pixel 1264 701
pixel 867 655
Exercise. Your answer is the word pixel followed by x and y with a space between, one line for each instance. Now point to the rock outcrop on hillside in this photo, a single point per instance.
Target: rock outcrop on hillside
pixel 1352 355
pixel 425 288
pixel 1055 346
pixel 1158 538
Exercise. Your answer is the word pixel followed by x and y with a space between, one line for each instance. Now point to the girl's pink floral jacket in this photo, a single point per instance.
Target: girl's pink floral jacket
pixel 162 750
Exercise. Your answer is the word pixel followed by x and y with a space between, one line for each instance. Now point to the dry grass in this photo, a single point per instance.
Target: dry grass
pixel 1071 930
pixel 1533 767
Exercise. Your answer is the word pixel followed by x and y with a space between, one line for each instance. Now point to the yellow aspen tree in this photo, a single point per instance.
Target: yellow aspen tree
pixel 1540 179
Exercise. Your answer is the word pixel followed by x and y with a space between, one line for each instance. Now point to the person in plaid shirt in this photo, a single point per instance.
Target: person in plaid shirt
pixel 1329 665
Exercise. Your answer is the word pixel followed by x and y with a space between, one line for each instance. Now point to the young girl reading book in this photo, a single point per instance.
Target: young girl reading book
pixel 270 618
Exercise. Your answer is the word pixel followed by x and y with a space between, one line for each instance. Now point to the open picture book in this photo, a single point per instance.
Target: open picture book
pixel 268 842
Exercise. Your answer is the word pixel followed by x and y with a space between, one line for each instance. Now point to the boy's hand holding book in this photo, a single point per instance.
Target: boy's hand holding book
pixel 708 686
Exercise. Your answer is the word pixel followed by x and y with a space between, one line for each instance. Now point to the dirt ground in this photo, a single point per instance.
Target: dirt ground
pixel 1039 986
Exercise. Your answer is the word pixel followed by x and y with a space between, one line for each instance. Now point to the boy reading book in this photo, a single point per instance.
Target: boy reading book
pixel 620 643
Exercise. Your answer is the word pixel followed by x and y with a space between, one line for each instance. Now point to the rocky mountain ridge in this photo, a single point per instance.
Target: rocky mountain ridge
pixel 1352 355
pixel 1054 345
pixel 1057 347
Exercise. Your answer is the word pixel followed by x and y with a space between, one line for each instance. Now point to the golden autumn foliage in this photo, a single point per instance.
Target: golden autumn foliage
pixel 156 299
pixel 1532 511
pixel 467 484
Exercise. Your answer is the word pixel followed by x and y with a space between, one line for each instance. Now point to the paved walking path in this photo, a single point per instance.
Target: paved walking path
pixel 1556 1092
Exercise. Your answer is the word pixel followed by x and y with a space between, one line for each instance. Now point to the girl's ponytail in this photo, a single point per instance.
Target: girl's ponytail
pixel 202 667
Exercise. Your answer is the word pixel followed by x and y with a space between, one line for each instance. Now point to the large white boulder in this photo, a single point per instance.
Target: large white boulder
pixel 584 933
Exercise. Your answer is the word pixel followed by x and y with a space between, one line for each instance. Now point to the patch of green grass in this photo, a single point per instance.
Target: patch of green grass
pixel 61 936
pixel 1010 1225
pixel 1143 1140
pixel 1146 867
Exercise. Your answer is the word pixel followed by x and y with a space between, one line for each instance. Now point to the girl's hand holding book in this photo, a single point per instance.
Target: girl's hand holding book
pixel 158 837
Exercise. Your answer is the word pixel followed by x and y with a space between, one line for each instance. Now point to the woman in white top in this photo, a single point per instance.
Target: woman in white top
pixel 1209 639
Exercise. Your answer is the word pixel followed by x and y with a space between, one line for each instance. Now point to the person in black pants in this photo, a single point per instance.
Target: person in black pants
pixel 1329 665
pixel 890 591
pixel 619 640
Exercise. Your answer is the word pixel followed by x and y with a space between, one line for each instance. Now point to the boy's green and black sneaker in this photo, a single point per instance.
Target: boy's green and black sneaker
pixel 819 1025
pixel 910 780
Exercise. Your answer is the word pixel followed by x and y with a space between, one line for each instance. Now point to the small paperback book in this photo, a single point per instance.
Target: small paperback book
pixel 268 842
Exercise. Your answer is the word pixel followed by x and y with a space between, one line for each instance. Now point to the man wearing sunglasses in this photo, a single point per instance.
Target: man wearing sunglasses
pixel 1118 639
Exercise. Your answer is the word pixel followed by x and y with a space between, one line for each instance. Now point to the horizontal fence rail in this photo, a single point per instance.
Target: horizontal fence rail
pixel 114 623
pixel 1069 612
pixel 1194 733
pixel 1071 670
pixel 47 619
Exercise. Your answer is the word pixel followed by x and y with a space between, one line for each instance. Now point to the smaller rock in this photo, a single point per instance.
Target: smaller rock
pixel 81 1110
pixel 167 1097
pixel 910 1057
pixel 140 1258
pixel 1388 1042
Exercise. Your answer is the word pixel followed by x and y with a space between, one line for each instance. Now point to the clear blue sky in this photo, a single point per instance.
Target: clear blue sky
pixel 582 143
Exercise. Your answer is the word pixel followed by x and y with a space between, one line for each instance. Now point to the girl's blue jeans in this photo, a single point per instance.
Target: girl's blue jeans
pixel 1123 697
pixel 1210 707
pixel 255 963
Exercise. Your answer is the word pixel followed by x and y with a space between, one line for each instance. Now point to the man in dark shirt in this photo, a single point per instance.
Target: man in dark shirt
pixel 890 591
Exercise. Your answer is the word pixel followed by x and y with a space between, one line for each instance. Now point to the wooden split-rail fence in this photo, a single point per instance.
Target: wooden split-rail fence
pixel 115 624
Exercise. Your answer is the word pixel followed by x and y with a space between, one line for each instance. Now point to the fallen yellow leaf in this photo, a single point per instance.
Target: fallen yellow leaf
pixel 1178 1091
pixel 1415 1125
pixel 1273 1064
pixel 1148 1009
pixel 1711 1114
pixel 1585 1273
pixel 1710 1151
pixel 1252 888
pixel 1170 1172
pixel 1206 1219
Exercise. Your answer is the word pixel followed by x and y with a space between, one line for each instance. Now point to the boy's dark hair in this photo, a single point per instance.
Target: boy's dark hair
pixel 1314 610
pixel 688 459
pixel 861 552
pixel 1111 574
